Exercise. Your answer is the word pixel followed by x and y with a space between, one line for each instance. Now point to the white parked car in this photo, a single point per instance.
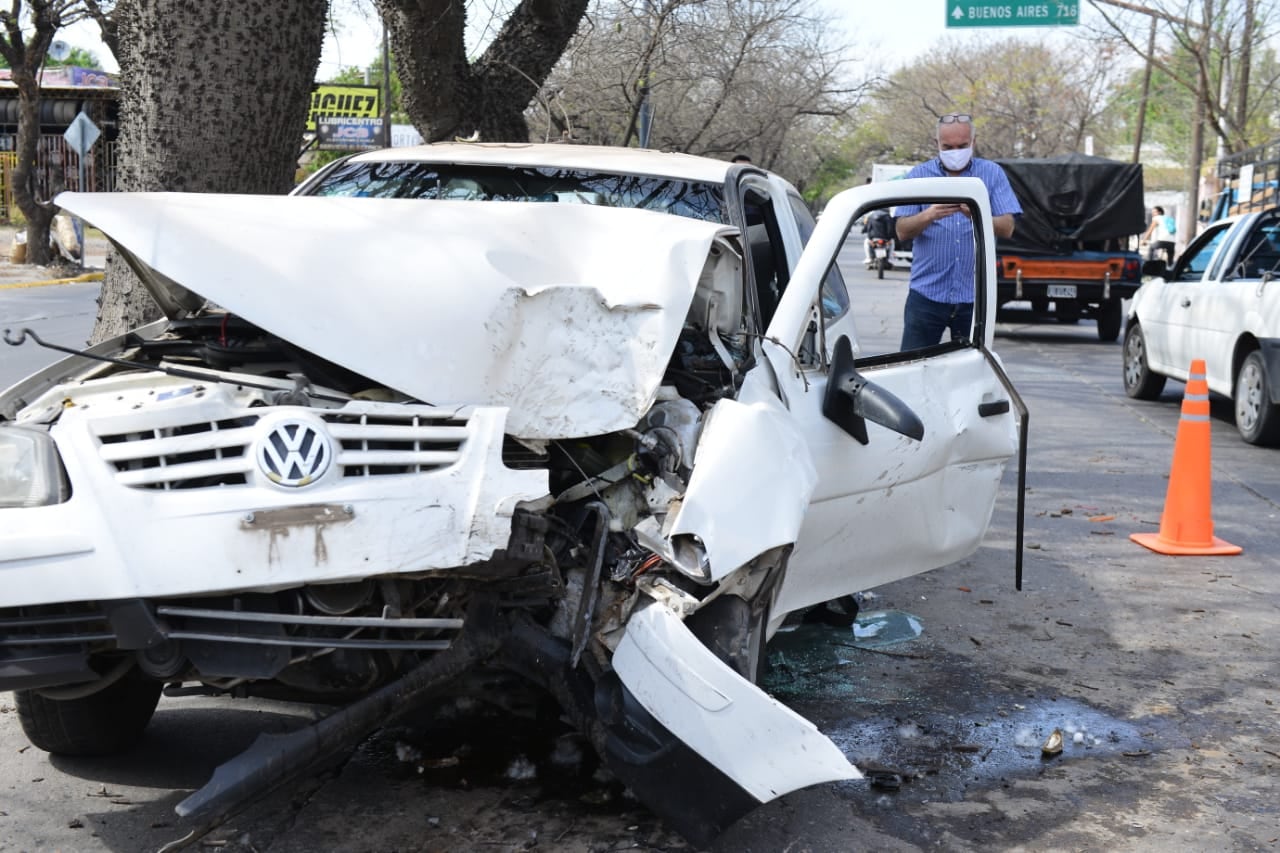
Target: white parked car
pixel 464 417
pixel 1220 302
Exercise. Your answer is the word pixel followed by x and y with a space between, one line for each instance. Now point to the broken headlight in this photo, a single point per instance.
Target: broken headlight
pixel 30 474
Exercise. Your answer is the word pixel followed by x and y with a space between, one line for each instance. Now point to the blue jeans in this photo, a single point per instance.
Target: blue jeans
pixel 924 321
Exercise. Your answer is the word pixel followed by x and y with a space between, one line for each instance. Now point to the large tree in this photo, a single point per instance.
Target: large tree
pixel 26 31
pixel 1028 99
pixel 446 93
pixel 214 99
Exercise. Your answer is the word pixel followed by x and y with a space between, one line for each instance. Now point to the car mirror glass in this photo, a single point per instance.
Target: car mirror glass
pixel 1156 268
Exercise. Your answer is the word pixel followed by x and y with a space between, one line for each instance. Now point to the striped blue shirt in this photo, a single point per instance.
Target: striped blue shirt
pixel 942 261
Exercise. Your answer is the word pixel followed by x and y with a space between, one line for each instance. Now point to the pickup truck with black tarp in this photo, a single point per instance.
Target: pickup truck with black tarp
pixel 1070 254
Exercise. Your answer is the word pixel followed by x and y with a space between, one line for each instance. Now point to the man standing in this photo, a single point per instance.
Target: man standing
pixel 942 267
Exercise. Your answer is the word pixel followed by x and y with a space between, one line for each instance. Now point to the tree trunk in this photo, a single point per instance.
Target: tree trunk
pixel 215 97
pixel 38 215
pixel 445 95
pixel 24 41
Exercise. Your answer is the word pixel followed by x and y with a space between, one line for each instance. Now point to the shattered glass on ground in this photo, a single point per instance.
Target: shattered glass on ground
pixel 914 720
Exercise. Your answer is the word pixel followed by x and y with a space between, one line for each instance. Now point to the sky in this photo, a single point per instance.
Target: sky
pixel 914 26
pixel 911 28
pixel 888 40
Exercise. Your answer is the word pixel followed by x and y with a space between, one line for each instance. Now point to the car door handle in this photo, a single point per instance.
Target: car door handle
pixel 1186 303
pixel 995 407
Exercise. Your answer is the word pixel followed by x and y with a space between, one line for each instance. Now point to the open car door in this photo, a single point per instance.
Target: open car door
pixel 890 503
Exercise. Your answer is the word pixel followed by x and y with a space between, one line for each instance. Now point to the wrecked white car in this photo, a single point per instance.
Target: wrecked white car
pixel 592 418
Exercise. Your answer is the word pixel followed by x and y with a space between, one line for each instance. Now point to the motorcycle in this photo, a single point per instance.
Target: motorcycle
pixel 879 250
pixel 881 255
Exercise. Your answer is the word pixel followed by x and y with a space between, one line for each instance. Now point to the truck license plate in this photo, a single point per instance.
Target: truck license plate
pixel 1062 291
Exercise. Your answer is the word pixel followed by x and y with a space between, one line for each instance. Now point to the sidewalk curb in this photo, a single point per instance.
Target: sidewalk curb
pixel 89 276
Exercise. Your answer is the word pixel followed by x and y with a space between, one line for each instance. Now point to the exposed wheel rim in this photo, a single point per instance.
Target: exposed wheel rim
pixel 1134 360
pixel 1249 401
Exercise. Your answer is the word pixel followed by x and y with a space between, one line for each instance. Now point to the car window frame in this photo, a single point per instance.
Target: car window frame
pixel 1206 244
pixel 1264 232
pixel 698 200
pixel 833 282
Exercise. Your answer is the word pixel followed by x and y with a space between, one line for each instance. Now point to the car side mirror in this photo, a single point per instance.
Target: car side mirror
pixel 1155 267
pixel 851 400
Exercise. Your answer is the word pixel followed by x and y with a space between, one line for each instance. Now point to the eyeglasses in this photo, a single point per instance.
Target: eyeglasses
pixel 956 118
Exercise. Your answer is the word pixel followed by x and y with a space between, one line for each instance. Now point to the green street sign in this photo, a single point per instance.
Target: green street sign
pixel 1011 13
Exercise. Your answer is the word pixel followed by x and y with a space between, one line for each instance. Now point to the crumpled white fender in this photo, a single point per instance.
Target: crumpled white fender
pixel 750 486
pixel 759 743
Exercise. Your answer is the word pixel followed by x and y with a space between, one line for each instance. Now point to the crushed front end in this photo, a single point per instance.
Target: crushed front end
pixel 208 505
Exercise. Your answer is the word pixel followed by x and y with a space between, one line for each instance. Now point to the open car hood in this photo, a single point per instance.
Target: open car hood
pixel 566 314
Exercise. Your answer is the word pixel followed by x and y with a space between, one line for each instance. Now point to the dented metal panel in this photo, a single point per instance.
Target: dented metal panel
pixel 565 314
pixel 751 486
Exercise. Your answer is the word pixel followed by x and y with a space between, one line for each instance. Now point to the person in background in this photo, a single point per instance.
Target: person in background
pixel 877 225
pixel 866 241
pixel 740 158
pixel 942 266
pixel 1160 235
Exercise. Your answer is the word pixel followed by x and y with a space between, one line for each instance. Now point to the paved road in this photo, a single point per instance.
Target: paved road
pixel 62 314
pixel 1165 668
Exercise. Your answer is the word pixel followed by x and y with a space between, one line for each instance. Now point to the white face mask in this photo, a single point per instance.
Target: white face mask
pixel 956 159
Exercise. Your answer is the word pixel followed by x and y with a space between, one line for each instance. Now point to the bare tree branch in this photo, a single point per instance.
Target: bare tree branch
pixel 763 77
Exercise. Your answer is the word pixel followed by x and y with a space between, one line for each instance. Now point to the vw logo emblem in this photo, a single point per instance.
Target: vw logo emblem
pixel 294 454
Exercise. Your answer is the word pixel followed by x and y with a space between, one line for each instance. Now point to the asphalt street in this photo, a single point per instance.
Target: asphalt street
pixel 1160 672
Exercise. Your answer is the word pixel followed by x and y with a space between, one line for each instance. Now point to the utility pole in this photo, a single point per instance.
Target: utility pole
pixel 646 106
pixel 1146 93
pixel 642 116
pixel 1197 123
pixel 386 87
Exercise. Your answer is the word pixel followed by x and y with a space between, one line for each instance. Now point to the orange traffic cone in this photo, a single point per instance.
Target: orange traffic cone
pixel 1186 526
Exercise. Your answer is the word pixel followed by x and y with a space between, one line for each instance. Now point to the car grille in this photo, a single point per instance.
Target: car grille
pixel 216 453
pixel 58 625
pixel 52 627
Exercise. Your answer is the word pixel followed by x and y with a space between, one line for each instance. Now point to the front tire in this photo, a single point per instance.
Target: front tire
pixel 101 723
pixel 1140 382
pixel 1257 418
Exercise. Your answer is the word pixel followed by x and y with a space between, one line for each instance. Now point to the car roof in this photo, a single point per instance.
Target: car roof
pixel 1248 214
pixel 598 158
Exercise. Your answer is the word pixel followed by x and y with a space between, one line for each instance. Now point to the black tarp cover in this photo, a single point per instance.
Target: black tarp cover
pixel 1073 199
